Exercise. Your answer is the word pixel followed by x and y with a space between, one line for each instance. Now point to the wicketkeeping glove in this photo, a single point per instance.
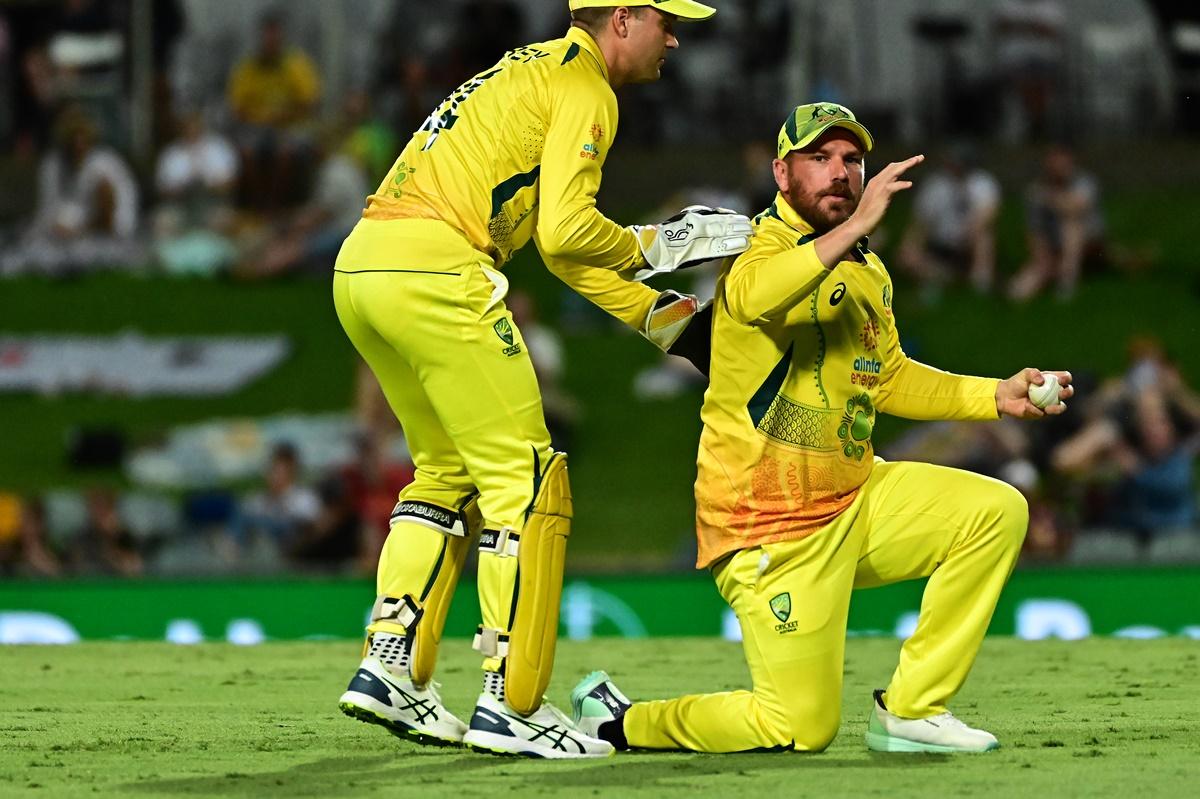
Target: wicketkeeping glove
pixel 694 235
pixel 679 324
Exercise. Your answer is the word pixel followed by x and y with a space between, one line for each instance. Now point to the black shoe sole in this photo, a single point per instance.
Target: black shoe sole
pixel 396 728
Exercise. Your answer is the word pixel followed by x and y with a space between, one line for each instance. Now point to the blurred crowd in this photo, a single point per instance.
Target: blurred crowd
pixel 1112 481
pixel 254 183
pixel 264 177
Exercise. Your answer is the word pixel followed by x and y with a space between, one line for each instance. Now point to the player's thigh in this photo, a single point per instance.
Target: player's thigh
pixel 915 513
pixel 441 475
pixel 473 365
pixel 792 600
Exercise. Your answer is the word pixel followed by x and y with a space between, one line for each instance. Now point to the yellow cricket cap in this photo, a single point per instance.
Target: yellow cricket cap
pixel 807 122
pixel 683 9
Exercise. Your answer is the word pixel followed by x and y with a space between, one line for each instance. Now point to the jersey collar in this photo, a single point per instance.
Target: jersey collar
pixel 584 39
pixel 781 210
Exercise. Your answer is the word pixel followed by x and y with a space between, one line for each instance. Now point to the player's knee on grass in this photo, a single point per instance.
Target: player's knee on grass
pixel 814 735
pixel 809 723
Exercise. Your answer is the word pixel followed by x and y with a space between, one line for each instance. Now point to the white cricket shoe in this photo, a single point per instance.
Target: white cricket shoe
pixel 596 700
pixel 377 696
pixel 941 733
pixel 545 733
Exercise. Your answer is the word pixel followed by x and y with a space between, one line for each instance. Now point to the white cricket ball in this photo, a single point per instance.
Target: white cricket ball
pixel 1046 394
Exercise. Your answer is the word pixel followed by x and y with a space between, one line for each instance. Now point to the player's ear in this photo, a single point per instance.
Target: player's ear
pixel 620 21
pixel 780 168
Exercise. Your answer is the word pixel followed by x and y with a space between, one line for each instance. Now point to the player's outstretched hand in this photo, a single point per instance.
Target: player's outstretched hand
pixel 694 235
pixel 878 194
pixel 1012 395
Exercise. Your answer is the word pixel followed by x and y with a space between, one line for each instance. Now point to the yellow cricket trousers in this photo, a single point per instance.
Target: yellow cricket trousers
pixel 910 520
pixel 427 314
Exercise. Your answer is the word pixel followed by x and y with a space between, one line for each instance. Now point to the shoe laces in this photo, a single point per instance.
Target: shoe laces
pixel 559 716
pixel 948 719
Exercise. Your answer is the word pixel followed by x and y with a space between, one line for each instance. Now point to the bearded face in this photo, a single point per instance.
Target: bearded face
pixel 824 181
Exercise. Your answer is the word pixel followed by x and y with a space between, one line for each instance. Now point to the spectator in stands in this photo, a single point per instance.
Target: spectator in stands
pixel 195 177
pixel 286 510
pixel 1145 444
pixel 310 237
pixel 105 546
pixel 84 186
pixel 10 532
pixel 87 204
pixel 31 554
pixel 1065 227
pixel 273 94
pixel 953 227
pixel 333 539
pixel 197 172
pixel 373 482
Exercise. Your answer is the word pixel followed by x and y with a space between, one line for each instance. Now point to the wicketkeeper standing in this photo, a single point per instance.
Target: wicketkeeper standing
pixel 514 154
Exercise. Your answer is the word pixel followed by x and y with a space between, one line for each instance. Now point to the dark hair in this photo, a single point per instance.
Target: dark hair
pixel 286 451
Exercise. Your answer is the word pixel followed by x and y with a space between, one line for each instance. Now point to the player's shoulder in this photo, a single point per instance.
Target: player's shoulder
pixel 772 233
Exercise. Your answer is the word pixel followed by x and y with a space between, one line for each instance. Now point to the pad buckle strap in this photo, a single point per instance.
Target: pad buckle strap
pixel 503 543
pixel 435 517
pixel 490 643
pixel 404 611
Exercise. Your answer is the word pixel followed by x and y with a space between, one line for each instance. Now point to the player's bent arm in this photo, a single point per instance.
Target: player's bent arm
pixel 611 292
pixel 763 285
pixel 581 129
pixel 913 390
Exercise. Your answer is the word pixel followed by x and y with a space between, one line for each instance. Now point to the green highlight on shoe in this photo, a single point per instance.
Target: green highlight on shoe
pixel 879 740
pixel 581 704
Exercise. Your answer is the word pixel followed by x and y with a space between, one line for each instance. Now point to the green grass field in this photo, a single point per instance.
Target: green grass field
pixel 119 719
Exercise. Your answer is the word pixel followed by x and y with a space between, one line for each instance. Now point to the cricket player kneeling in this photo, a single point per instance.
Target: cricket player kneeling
pixel 794 511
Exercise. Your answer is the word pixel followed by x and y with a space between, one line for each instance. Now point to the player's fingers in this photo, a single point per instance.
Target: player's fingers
pixel 1033 376
pixel 1057 408
pixel 1032 411
pixel 897 168
pixel 1067 392
pixel 1064 378
pixel 901 185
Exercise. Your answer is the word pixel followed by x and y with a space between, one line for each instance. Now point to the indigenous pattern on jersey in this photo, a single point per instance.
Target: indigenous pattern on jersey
pixel 803 358
pixel 516 153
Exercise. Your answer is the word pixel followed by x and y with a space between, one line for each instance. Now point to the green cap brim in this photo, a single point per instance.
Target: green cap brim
pixel 786 139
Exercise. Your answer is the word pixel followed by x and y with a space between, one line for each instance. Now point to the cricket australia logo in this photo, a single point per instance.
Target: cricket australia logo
pixel 781 606
pixel 403 171
pixel 504 330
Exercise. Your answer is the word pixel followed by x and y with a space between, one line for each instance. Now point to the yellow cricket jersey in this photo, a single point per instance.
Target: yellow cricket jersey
pixel 516 153
pixel 803 357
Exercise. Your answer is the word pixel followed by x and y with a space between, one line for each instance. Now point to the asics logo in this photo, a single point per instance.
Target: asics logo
pixel 556 736
pixel 423 709
pixel 838 293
